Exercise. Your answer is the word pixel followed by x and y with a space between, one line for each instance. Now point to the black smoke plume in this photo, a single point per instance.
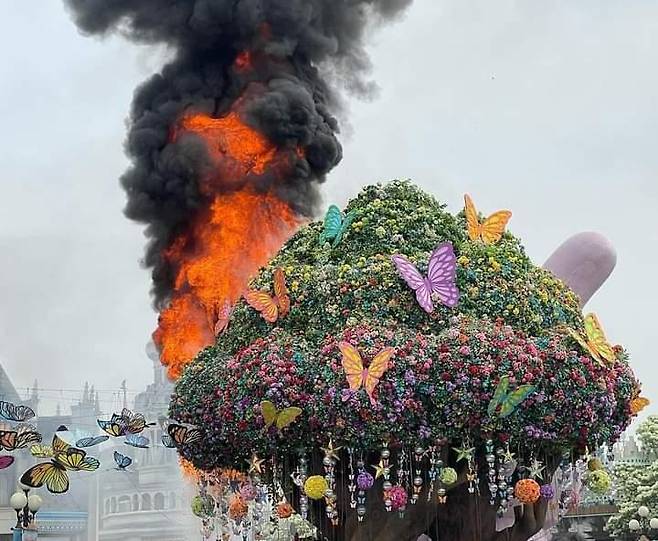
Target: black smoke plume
pixel 302 52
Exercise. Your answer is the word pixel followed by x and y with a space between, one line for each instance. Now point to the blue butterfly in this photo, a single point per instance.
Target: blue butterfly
pixel 335 225
pixel 135 440
pixel 91 441
pixel 122 461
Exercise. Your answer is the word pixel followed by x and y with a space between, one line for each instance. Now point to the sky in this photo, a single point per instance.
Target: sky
pixel 547 108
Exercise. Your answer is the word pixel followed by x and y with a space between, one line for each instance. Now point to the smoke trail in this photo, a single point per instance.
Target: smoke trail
pixel 291 45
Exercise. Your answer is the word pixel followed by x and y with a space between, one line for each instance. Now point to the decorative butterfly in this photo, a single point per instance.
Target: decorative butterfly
pixel 491 229
pixel 182 435
pixel 54 473
pixel 223 318
pixel 135 440
pixel 91 441
pixel 357 374
pixel 6 461
pixel 122 461
pixel 135 422
pixel 271 307
pixel 21 438
pixel 638 404
pixel 113 427
pixel 283 418
pixel 12 412
pixel 440 280
pixel 42 451
pixel 167 441
pixel 595 341
pixel 335 225
pixel 503 402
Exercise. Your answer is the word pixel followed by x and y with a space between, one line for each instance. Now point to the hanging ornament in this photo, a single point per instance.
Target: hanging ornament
pixel 329 462
pixel 419 454
pixel 350 477
pixel 527 491
pixel 432 472
pixel 315 487
pixel 388 503
pixel 364 482
pixel 491 476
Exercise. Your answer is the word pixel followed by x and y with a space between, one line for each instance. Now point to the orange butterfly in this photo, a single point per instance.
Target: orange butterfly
pixel 489 231
pixel 638 404
pixel 357 374
pixel 271 307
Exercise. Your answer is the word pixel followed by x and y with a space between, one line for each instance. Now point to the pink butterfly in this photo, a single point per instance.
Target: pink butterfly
pixel 223 318
pixel 6 461
pixel 441 277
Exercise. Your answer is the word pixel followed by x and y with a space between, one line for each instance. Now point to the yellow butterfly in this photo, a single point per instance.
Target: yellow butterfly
pixel 271 308
pixel 283 418
pixel 489 231
pixel 54 473
pixel 357 374
pixel 595 342
pixel 638 404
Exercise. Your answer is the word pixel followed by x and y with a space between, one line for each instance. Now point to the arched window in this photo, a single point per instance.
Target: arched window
pixel 135 502
pixel 113 505
pixel 172 500
pixel 158 501
pixel 146 502
pixel 124 504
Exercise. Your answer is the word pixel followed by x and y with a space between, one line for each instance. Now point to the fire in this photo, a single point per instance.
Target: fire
pixel 243 61
pixel 228 241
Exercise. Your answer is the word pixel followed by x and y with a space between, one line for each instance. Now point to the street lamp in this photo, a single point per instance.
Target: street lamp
pixel 26 507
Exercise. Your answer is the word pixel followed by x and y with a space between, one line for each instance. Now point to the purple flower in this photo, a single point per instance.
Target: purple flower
pixel 365 481
pixel 547 492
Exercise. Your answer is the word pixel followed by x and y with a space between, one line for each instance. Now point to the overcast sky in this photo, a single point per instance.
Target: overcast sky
pixel 547 108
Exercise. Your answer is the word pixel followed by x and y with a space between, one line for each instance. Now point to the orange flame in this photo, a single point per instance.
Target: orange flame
pixel 243 61
pixel 228 240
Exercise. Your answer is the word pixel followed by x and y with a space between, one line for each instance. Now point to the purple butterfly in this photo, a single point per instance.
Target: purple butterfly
pixel 6 461
pixel 441 277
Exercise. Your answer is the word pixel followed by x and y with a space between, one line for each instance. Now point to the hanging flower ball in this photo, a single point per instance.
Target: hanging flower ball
pixel 284 510
pixel 398 497
pixel 203 506
pixel 248 492
pixel 527 491
pixel 315 487
pixel 238 508
pixel 547 492
pixel 594 464
pixel 448 476
pixel 598 481
pixel 365 481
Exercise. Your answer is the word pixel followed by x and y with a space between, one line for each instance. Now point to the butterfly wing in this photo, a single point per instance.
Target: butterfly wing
pixel 352 364
pixel 494 226
pixel 597 340
pixel 59 446
pixel 638 404
pixel 223 318
pixel 410 274
pixel 269 412
pixel 114 427
pixel 91 441
pixel 6 461
pixel 12 412
pixel 135 440
pixel 122 461
pixel 42 451
pixel 167 441
pixel 281 292
pixel 52 475
pixel 8 439
pixel 442 274
pixel 287 417
pixel 499 395
pixel 332 223
pixel 472 219
pixel 513 399
pixel 182 435
pixel 347 222
pixel 263 303
pixel 376 370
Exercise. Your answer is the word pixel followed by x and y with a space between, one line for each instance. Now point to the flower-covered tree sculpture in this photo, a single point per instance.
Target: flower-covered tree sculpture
pixel 397 370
